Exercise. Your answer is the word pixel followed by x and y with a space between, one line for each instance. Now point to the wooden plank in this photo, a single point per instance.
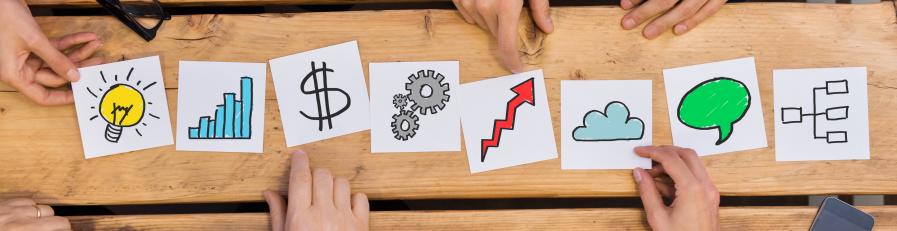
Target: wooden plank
pixel 169 3
pixel 731 218
pixel 42 155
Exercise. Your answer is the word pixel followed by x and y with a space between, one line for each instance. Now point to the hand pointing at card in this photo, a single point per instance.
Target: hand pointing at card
pixel 679 175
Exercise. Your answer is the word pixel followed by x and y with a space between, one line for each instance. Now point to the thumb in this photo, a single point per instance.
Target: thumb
pixel 276 205
pixel 542 15
pixel 55 59
pixel 654 207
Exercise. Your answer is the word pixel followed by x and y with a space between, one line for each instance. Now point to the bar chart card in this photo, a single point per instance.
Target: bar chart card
pixel 221 106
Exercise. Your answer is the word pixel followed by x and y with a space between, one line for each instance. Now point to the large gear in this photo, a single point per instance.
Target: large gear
pixel 399 101
pixel 403 117
pixel 435 101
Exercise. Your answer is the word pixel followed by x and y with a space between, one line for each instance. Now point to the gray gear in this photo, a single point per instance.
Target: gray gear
pixel 436 100
pixel 399 119
pixel 399 101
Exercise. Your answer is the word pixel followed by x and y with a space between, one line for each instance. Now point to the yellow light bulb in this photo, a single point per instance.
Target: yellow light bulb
pixel 121 106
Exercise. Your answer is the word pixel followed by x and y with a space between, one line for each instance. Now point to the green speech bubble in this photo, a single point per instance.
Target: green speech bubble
pixel 717 103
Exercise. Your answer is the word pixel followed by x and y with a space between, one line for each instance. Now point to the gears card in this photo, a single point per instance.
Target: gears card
pixel 414 107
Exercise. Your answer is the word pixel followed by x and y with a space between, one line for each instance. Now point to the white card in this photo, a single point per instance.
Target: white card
pixel 321 93
pixel 602 121
pixel 821 114
pixel 414 107
pixel 506 122
pixel 715 107
pixel 122 107
pixel 221 106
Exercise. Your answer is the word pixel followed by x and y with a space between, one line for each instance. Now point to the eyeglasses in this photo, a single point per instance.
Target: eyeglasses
pixel 143 16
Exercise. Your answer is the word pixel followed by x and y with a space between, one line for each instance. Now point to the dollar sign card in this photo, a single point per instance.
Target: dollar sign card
pixel 321 93
pixel 122 107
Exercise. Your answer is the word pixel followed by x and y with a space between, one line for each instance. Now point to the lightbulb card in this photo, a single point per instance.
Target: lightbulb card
pixel 122 107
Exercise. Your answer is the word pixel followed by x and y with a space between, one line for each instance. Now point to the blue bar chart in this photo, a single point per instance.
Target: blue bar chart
pixel 231 119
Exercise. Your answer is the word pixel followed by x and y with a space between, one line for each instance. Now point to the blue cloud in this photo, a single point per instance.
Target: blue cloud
pixel 613 124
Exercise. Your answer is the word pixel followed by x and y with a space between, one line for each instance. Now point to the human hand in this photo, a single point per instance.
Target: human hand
pixel 23 214
pixel 33 64
pixel 500 17
pixel 685 14
pixel 680 176
pixel 317 202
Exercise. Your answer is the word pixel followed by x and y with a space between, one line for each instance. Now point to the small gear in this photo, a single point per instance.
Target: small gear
pixel 433 102
pixel 399 101
pixel 404 132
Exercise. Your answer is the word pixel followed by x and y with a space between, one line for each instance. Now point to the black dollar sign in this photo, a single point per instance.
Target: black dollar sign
pixel 323 114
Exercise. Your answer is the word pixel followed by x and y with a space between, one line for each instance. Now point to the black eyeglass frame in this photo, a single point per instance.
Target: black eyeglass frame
pixel 127 14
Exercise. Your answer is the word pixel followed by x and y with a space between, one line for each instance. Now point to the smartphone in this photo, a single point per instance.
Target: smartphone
pixel 835 214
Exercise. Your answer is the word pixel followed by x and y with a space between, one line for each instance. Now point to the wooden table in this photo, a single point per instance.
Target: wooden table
pixel 42 158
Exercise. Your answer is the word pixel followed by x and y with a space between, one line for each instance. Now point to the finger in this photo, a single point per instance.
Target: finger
pixel 645 11
pixel 656 171
pixel 360 207
pixel 55 59
pixel 691 159
pixel 31 211
pixel 628 4
pixel 55 223
pixel 342 194
pixel 672 163
pixel 507 40
pixel 685 9
pixel 471 7
pixel 300 181
pixel 542 15
pixel 323 188
pixel 43 96
pixel 710 8
pixel 90 62
pixel 463 12
pixel 19 202
pixel 654 207
pixel 490 15
pixel 71 40
pixel 85 51
pixel 666 188
pixel 276 207
pixel 48 78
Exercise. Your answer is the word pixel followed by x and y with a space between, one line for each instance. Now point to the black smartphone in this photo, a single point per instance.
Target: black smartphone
pixel 835 214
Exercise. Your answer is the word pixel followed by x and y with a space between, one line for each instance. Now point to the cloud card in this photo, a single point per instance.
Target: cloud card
pixel 221 106
pixel 122 107
pixel 715 107
pixel 321 93
pixel 821 114
pixel 506 122
pixel 602 121
pixel 414 107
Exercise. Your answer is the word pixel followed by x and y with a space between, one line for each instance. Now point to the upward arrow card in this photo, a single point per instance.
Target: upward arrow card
pixel 506 122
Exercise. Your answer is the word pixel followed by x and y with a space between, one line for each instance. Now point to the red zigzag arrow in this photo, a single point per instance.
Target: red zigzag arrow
pixel 524 95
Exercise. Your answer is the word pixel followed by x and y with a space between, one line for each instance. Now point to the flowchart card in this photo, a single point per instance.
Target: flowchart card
pixel 221 106
pixel 506 122
pixel 715 107
pixel 122 107
pixel 821 114
pixel 414 107
pixel 321 93
pixel 602 121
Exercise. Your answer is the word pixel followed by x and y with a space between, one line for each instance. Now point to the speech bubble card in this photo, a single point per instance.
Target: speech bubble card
pixel 414 107
pixel 122 107
pixel 221 106
pixel 715 107
pixel 506 122
pixel 821 114
pixel 321 93
pixel 602 121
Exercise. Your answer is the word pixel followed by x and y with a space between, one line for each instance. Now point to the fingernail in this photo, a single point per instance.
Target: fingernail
pixel 637 175
pixel 650 32
pixel 628 23
pixel 299 152
pixel 680 29
pixel 626 4
pixel 73 75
